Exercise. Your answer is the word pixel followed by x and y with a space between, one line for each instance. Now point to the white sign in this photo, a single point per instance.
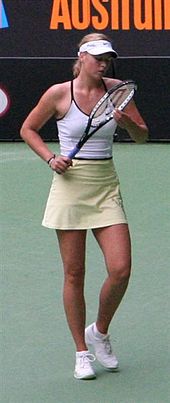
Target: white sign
pixel 4 102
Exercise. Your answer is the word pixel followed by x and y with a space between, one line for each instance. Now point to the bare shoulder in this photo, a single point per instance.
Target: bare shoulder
pixel 111 81
pixel 56 99
pixel 57 90
pixel 54 102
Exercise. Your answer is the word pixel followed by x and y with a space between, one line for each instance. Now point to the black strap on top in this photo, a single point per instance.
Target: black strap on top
pixel 72 94
pixel 104 85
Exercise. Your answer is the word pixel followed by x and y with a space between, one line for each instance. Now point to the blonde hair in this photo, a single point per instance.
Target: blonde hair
pixel 87 38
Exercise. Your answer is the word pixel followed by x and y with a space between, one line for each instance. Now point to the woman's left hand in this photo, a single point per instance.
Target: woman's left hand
pixel 132 121
pixel 123 119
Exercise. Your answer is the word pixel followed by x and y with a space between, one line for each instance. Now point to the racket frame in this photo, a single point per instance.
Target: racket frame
pixel 86 135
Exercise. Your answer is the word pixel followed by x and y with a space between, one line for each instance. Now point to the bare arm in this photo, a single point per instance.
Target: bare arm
pixel 44 110
pixel 132 121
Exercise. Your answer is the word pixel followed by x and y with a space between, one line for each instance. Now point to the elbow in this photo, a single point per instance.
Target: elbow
pixel 22 132
pixel 143 137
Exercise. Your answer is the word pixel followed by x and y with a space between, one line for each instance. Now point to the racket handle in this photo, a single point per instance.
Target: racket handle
pixel 73 152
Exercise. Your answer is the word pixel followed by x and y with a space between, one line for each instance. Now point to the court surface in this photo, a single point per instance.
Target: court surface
pixel 37 352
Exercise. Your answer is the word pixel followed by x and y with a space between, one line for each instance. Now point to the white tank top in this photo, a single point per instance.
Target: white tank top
pixel 71 127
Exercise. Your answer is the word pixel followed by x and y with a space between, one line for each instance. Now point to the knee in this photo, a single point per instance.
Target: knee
pixel 74 275
pixel 120 274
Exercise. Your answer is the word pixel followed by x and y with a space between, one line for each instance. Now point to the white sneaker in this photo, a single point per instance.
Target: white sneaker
pixel 83 368
pixel 102 348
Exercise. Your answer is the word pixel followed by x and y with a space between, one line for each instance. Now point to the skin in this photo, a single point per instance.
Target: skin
pixel 114 241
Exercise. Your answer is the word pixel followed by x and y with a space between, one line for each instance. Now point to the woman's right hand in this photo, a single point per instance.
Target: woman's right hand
pixel 60 164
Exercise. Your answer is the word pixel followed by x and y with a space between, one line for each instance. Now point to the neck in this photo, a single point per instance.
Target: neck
pixel 86 82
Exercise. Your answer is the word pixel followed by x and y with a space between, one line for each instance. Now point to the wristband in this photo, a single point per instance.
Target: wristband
pixel 53 157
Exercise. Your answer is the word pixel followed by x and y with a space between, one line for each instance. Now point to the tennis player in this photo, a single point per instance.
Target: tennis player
pixel 85 194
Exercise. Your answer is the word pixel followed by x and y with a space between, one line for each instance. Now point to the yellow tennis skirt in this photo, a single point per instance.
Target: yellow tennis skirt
pixel 86 196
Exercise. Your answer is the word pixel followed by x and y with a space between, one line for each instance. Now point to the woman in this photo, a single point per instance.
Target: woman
pixel 85 195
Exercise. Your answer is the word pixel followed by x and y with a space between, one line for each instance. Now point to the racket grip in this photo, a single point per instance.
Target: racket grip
pixel 73 152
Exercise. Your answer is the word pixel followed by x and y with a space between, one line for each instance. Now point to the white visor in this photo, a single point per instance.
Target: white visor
pixel 97 48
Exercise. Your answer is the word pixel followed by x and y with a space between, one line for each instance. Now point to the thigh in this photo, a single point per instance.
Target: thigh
pixel 115 244
pixel 72 247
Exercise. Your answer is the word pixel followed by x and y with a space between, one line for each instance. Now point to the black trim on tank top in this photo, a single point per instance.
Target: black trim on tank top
pixel 73 99
pixel 72 94
pixel 104 85
pixel 93 159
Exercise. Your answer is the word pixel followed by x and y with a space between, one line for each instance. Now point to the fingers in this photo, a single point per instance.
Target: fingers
pixel 122 118
pixel 60 164
pixel 118 115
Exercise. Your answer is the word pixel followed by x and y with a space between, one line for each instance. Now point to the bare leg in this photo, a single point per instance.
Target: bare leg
pixel 72 249
pixel 115 244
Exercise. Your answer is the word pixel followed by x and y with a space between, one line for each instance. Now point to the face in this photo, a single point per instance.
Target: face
pixel 96 65
pixel 106 57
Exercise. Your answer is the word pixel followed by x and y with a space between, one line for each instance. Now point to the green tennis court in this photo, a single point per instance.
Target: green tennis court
pixel 36 347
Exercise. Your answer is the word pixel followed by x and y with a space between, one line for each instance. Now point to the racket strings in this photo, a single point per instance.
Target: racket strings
pixel 103 112
pixel 116 97
pixel 119 96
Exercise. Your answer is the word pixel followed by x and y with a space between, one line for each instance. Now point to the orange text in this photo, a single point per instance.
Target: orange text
pixel 113 14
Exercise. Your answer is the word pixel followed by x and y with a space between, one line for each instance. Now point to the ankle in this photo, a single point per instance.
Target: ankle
pixel 98 331
pixel 80 352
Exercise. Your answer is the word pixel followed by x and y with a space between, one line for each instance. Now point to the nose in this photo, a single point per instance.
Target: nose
pixel 103 63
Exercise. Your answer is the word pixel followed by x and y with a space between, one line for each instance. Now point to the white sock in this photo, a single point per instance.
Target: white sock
pixel 97 333
pixel 81 352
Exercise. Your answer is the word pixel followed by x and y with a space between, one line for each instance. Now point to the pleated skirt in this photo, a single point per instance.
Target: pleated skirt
pixel 87 196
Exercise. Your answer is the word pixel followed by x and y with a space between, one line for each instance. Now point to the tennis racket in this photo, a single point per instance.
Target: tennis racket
pixel 117 97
